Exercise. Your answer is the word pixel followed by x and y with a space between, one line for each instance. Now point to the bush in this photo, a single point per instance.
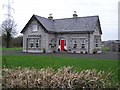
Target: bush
pixel 94 51
pixel 81 52
pixel 44 51
pixel 86 52
pixel 64 77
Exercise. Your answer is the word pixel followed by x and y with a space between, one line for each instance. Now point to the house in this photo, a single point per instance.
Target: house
pixel 75 35
pixel 114 45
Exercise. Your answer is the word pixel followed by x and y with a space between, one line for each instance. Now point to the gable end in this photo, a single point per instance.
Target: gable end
pixel 31 19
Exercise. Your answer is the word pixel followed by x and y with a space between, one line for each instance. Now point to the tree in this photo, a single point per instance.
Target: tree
pixel 8 31
pixel 17 41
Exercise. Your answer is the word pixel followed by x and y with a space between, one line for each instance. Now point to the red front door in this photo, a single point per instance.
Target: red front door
pixel 62 45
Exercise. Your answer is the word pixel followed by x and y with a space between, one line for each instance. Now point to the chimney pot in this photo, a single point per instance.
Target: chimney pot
pixel 50 17
pixel 75 15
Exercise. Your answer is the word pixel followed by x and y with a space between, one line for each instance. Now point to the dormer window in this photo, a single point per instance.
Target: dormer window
pixel 34 27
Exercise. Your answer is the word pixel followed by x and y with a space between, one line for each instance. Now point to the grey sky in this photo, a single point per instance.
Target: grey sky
pixel 106 9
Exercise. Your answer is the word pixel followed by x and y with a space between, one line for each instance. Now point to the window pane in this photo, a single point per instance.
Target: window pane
pixel 37 45
pixel 96 45
pixel 75 46
pixel 31 45
pixel 83 46
pixel 34 27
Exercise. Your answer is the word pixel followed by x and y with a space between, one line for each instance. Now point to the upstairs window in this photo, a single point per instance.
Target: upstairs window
pixel 34 28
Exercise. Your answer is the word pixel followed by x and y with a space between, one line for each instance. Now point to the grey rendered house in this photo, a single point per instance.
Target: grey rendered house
pixel 75 35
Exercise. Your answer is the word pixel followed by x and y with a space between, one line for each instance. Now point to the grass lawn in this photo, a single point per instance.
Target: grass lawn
pixel 43 61
pixel 10 49
pixel 105 48
pixel 52 61
pixel 56 62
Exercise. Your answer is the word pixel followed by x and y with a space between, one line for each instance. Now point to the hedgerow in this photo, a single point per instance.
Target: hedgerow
pixel 64 77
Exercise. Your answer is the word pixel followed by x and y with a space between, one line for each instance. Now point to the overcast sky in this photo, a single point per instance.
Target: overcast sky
pixel 106 9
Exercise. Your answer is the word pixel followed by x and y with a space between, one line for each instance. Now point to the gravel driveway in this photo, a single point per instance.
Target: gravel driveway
pixel 104 55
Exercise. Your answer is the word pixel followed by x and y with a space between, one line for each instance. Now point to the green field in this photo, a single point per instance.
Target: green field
pixel 105 48
pixel 56 62
pixel 43 61
pixel 10 49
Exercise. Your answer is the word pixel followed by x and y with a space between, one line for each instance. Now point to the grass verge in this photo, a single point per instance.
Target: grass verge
pixel 10 49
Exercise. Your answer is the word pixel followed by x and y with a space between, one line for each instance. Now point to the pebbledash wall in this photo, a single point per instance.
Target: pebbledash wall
pixel 41 41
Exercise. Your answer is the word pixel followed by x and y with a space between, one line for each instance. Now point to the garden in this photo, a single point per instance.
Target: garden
pixel 74 72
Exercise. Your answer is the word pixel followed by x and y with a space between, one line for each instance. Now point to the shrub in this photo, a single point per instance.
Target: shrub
pixel 64 77
pixel 44 51
pixel 94 51
pixel 81 52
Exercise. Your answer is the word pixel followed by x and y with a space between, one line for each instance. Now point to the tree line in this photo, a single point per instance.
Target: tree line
pixel 14 42
pixel 8 34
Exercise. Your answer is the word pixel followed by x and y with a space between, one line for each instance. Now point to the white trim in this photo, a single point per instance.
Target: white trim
pixel 99 51
pixel 59 46
pixel 24 50
pixel 77 37
pixel 65 47
pixel 49 52
pixel 35 51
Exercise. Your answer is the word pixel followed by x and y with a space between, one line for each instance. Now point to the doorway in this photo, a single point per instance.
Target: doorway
pixel 62 45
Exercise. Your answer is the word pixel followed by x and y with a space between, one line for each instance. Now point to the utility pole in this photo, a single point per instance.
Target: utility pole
pixel 8 25
pixel 8 7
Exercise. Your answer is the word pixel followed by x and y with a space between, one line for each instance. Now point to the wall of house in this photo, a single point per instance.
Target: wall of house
pixel 51 43
pixel 30 34
pixel 69 42
pixel 114 46
pixel 97 39
pixel 89 39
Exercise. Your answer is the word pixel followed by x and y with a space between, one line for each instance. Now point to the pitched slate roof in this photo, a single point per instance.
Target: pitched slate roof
pixel 68 25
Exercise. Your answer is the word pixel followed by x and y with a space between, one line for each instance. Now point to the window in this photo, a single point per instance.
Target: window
pixel 96 45
pixel 83 46
pixel 96 41
pixel 34 28
pixel 34 43
pixel 52 42
pixel 75 41
pixel 75 46
pixel 31 43
pixel 37 43
pixel 83 42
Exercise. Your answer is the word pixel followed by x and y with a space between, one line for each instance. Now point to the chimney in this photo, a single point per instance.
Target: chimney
pixel 75 15
pixel 50 17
